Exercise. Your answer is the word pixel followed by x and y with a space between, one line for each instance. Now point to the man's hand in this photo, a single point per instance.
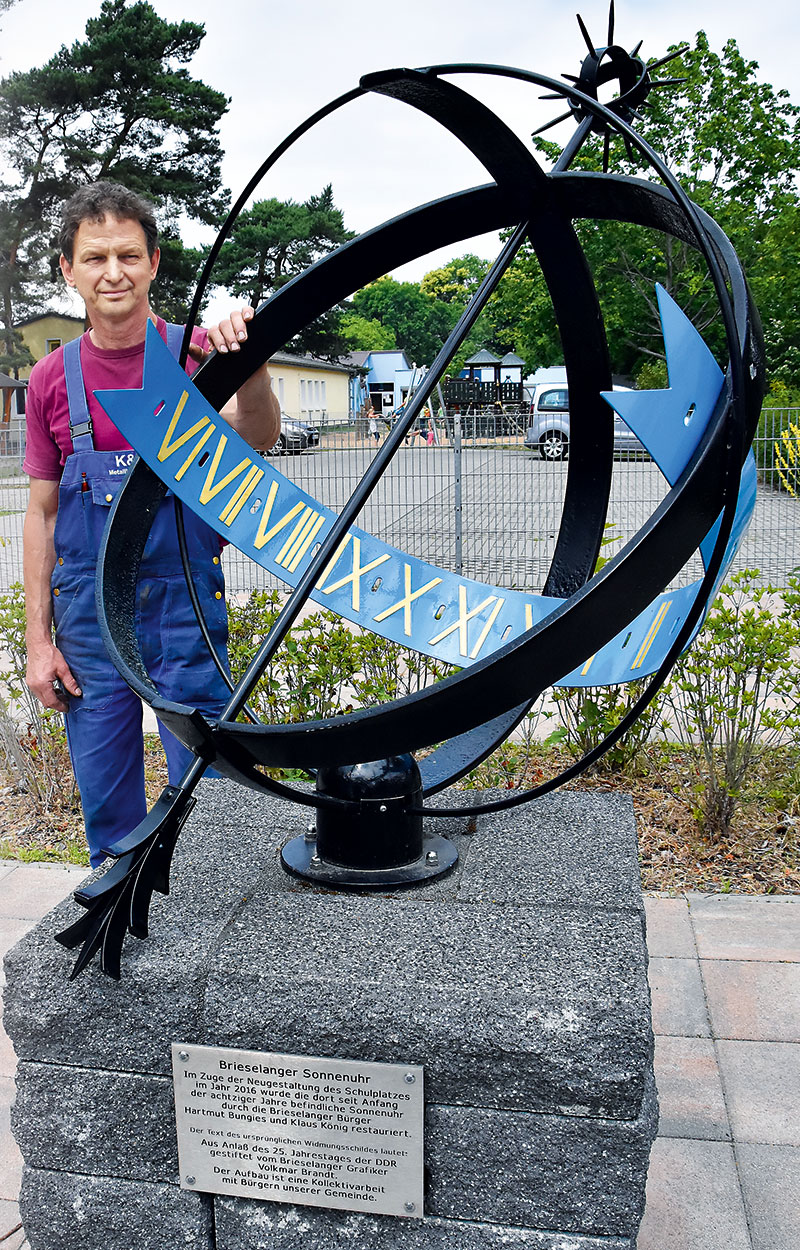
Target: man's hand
pixel 46 665
pixel 226 335
pixel 254 412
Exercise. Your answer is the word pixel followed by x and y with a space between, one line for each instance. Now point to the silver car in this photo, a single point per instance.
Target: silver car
pixel 548 430
pixel 295 437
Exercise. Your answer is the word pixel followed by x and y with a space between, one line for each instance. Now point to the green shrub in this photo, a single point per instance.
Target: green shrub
pixel 589 713
pixel 735 694
pixel 32 737
pixel 324 667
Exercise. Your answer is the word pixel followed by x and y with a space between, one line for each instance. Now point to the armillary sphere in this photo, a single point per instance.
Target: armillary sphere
pixel 585 627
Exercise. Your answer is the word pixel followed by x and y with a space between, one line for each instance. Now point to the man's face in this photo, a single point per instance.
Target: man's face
pixel 111 270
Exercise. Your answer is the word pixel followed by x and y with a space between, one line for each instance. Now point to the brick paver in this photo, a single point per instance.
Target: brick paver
pixel 753 1001
pixel 762 1090
pixel 770 1178
pixel 730 927
pixel 678 1002
pixel 690 1098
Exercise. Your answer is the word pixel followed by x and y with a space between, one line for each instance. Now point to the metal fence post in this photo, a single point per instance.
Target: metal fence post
pixel 457 504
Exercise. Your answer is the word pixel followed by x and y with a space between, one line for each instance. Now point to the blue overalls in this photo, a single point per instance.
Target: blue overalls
pixel 104 725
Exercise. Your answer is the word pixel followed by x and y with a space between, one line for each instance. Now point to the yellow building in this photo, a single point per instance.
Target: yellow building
pixel 313 390
pixel 47 332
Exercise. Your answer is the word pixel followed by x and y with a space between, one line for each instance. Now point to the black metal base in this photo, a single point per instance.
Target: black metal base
pixel 300 858
pixel 375 840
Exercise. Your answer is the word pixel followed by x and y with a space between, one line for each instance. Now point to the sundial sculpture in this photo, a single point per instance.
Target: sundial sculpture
pixel 585 628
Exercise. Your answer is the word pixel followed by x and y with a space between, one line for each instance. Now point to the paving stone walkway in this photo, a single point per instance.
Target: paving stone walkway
pixel 725 980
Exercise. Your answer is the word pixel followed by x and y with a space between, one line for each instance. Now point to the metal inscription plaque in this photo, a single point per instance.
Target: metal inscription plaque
pixel 289 1128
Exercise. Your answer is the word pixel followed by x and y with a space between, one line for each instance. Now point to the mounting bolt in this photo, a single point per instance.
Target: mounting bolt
pixel 315 862
pixel 310 833
pixel 184 1055
pixel 410 1079
pixel 190 1180
pixel 432 858
pixel 382 807
pixel 410 1206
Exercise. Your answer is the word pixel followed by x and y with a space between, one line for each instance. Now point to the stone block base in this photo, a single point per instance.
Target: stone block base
pixel 518 983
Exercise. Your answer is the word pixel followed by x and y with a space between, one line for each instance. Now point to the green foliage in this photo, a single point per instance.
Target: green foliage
pixel 787 458
pixel 735 694
pixel 781 395
pixel 324 667
pixel 589 713
pixel 652 376
pixel 72 851
pixel 419 322
pixel 32 737
pixel 173 290
pixel 774 430
pixel 273 241
pixel 366 335
pixel 119 104
pixel 732 140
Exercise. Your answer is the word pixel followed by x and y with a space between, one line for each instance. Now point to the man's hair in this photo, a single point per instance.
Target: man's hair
pixel 106 199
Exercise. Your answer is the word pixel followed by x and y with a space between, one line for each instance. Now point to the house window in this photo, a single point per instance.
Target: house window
pixel 52 345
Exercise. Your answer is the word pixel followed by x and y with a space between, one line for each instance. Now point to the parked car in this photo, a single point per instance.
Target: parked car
pixel 295 437
pixel 548 428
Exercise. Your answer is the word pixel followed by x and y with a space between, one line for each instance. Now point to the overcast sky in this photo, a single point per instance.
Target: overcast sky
pixel 280 62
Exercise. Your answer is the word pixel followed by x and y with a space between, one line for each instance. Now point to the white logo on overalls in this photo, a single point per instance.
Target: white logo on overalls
pixel 124 460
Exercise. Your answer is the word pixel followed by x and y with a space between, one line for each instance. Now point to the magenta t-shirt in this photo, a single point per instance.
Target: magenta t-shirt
pixel 48 442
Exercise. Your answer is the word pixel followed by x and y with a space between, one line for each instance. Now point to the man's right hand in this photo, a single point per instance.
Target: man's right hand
pixel 47 665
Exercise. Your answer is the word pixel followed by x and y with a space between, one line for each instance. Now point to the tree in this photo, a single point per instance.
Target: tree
pixel 273 241
pixel 733 143
pixel 276 239
pixel 363 334
pixel 117 105
pixel 456 281
pixel 173 290
pixel 419 322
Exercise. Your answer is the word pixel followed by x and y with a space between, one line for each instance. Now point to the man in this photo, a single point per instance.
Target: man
pixel 76 459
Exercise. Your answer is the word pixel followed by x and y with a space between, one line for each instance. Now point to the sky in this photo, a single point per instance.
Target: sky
pixel 278 63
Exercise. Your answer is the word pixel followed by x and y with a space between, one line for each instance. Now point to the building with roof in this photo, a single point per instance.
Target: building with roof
pixel 485 366
pixel 384 378
pixel 47 332
pixel 313 390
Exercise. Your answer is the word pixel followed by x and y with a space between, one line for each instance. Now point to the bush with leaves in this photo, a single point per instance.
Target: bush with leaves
pixel 735 692
pixel 787 458
pixel 589 713
pixel 34 750
pixel 324 667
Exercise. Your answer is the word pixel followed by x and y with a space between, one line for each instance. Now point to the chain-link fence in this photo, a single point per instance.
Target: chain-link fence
pixel 481 503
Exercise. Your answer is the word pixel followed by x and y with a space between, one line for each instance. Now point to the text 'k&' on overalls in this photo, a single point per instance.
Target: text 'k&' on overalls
pixel 104 726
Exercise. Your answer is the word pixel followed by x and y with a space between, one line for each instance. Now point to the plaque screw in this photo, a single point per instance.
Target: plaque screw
pixel 382 807
pixel 431 858
pixel 410 1079
pixel 190 1180
pixel 184 1055
pixel 410 1206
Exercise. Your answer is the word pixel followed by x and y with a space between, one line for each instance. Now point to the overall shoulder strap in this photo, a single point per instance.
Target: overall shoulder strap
pixel 174 339
pixel 80 423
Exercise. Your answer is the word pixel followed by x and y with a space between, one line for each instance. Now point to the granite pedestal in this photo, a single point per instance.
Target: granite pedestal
pixel 518 982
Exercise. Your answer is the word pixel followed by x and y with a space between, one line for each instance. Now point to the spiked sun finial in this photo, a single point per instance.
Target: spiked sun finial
pixel 607 64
